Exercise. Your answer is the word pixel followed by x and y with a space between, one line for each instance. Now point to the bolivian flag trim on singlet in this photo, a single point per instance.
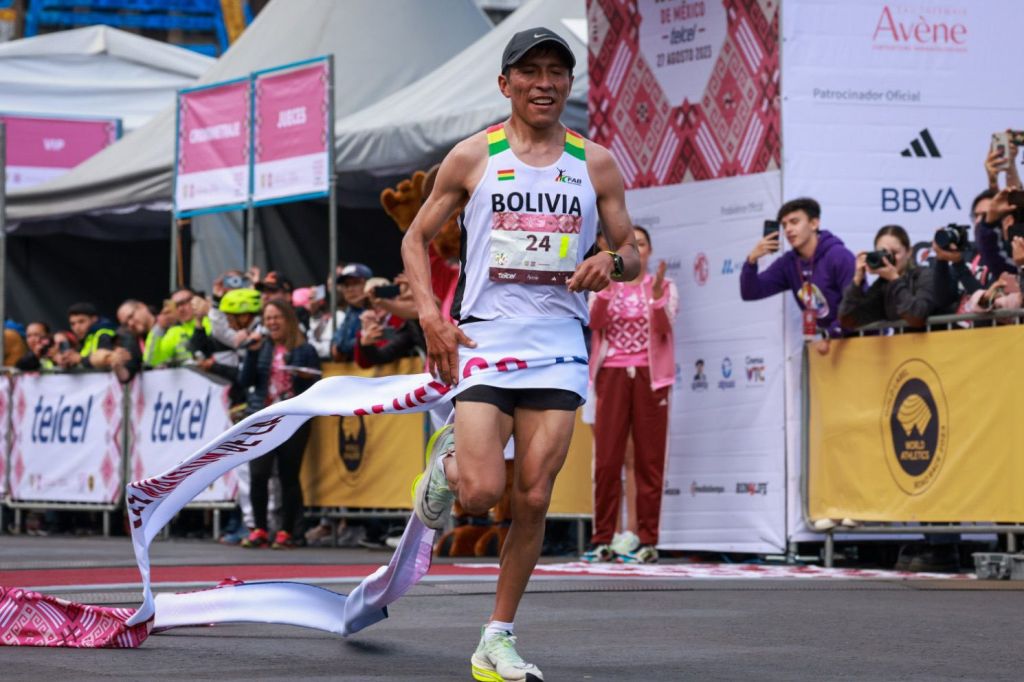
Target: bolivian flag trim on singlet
pixel 497 142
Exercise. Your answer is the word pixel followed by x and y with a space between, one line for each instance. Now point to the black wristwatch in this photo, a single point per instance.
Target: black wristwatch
pixel 618 267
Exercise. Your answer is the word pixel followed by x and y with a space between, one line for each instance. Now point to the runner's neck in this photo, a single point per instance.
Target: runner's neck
pixel 535 146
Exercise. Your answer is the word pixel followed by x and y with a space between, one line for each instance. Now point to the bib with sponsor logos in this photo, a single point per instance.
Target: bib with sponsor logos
pixel 525 230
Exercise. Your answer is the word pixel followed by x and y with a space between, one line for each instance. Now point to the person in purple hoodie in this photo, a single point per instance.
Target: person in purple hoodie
pixel 816 270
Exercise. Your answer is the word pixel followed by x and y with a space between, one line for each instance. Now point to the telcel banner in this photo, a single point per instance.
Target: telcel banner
pixel 212 160
pixel 897 432
pixel 41 149
pixel 174 412
pixel 292 152
pixel 66 438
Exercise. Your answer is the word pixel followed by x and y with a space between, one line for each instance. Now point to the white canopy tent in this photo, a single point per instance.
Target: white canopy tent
pixel 410 128
pixel 95 71
pixel 378 49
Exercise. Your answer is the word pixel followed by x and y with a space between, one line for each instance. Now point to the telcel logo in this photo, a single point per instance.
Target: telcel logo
pixel 60 423
pixel 179 419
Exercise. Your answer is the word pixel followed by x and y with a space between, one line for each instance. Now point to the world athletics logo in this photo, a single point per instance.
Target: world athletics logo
pixel 915 426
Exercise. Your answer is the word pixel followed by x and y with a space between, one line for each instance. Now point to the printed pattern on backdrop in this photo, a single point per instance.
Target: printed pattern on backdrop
pixel 41 149
pixel 5 396
pixel 291 133
pixel 889 109
pixel 212 164
pixel 66 432
pixel 174 410
pixel 725 485
pixel 684 90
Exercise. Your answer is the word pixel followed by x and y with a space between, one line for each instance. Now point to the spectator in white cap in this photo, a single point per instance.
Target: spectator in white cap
pixel 353 282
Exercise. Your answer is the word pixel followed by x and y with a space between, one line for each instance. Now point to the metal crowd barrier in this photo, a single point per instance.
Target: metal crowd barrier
pixel 932 324
pixel 124 473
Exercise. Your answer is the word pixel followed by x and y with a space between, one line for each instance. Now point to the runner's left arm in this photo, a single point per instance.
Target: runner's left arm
pixel 594 274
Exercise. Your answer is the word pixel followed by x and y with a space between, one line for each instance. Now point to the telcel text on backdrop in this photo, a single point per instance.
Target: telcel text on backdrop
pixel 42 148
pixel 685 96
pixel 291 134
pixel 173 411
pixel 212 158
pixel 66 433
pixel 908 440
pixel 889 109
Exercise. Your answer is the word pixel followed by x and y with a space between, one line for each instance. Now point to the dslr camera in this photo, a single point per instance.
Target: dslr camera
pixel 877 259
pixel 952 235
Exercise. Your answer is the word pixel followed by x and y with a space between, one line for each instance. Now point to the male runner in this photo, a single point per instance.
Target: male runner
pixel 535 191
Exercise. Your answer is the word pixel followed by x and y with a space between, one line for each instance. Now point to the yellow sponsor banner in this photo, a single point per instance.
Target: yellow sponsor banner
pixel 574 488
pixel 371 461
pixel 918 427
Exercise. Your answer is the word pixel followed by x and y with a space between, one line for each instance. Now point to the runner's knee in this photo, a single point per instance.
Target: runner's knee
pixel 477 499
pixel 532 503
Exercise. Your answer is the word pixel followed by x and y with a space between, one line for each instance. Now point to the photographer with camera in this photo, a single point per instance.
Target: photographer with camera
pixel 352 281
pixel 40 348
pixel 385 335
pixel 902 291
pixel 817 269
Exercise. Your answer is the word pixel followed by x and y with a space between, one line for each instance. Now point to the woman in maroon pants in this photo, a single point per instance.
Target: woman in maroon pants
pixel 632 365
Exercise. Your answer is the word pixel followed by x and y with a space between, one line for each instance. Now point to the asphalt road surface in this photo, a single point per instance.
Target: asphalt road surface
pixel 573 627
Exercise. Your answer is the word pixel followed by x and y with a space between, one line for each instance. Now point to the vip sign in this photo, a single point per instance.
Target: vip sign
pixel 175 412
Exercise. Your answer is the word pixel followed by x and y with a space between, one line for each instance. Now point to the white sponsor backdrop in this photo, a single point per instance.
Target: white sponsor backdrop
pixel 862 80
pixel 5 395
pixel 66 438
pixel 725 484
pixel 174 412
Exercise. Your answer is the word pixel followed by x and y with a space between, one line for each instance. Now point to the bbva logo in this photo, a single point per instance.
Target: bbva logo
pixel 915 199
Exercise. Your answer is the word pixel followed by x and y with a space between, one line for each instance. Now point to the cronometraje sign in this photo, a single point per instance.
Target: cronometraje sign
pixel 291 132
pixel 212 161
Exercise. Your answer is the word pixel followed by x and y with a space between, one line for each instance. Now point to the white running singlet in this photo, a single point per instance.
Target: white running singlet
pixel 524 231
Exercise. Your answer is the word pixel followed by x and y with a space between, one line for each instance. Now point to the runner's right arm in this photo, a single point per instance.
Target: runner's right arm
pixel 459 168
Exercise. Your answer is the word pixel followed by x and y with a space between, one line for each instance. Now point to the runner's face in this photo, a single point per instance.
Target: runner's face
pixel 538 86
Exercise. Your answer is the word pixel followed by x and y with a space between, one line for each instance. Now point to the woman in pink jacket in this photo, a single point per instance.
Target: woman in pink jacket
pixel 632 366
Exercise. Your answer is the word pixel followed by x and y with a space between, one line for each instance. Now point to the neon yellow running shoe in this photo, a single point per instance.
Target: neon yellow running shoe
pixel 496 660
pixel 432 500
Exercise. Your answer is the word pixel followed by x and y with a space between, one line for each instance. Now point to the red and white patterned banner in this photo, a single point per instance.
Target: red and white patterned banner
pixel 685 90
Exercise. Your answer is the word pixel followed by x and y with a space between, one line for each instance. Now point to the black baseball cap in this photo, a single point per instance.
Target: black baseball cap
pixel 524 41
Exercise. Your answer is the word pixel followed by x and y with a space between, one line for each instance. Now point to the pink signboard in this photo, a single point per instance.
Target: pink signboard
pixel 212 164
pixel 292 154
pixel 40 149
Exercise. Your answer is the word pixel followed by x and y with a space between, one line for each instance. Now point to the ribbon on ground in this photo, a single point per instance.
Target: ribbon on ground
pixel 509 353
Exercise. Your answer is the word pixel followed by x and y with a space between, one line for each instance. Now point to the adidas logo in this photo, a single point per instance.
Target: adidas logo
pixel 923 146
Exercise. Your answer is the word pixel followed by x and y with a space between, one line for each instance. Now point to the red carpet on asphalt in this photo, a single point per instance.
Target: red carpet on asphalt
pixel 213 574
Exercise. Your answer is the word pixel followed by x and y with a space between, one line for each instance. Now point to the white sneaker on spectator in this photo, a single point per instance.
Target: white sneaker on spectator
pixel 823 524
pixel 624 543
